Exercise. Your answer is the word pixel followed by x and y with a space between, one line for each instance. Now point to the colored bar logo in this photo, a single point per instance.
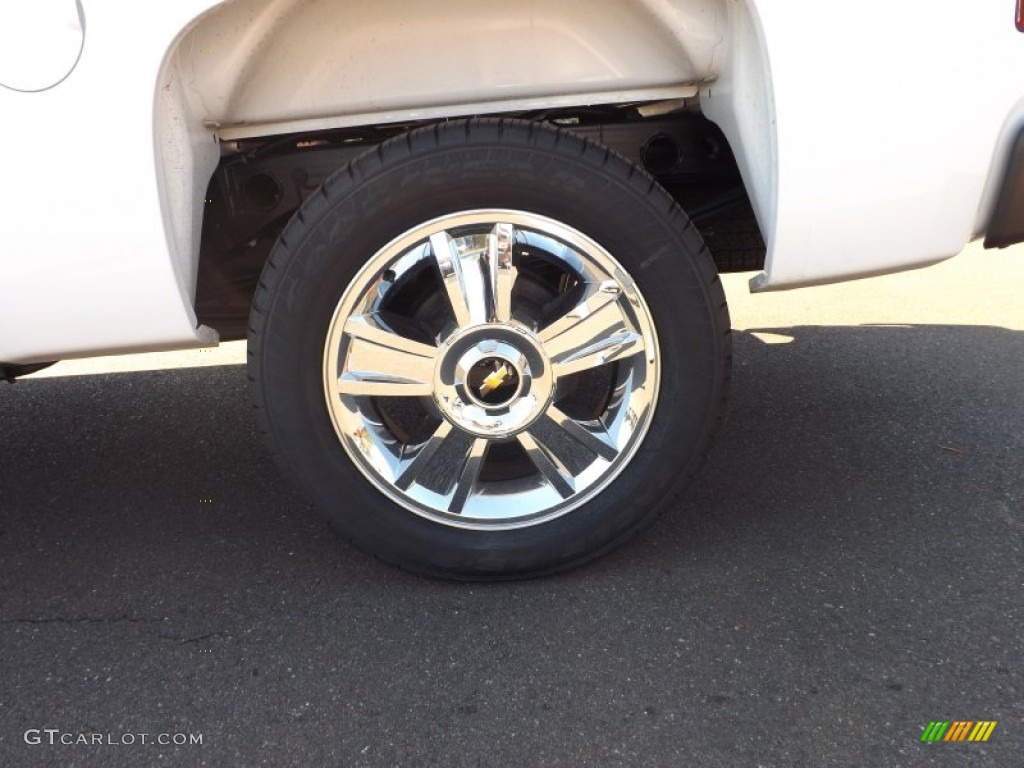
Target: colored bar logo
pixel 958 730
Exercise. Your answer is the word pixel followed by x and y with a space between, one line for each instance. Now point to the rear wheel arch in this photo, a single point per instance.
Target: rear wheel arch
pixel 231 72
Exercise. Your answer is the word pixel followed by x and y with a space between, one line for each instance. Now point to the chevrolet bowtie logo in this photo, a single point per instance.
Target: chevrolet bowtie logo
pixel 495 380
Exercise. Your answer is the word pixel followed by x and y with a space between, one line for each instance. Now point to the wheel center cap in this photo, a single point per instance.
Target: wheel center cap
pixel 493 380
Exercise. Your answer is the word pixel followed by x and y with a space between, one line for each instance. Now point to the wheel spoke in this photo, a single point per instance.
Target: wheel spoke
pixel 601 352
pixel 477 274
pixel 592 333
pixel 381 363
pixel 595 297
pixel 550 468
pixel 411 470
pixel 471 466
pixel 501 270
pixel 592 435
pixel 463 281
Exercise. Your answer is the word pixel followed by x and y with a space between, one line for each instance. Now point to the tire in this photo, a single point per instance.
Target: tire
pixel 489 350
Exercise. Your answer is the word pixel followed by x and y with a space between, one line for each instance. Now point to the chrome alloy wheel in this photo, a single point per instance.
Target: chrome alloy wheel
pixel 491 369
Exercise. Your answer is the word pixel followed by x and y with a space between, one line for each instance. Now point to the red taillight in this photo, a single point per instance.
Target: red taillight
pixel 1020 15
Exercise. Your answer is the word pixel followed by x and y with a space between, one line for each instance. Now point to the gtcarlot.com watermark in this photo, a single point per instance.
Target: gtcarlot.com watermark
pixel 55 737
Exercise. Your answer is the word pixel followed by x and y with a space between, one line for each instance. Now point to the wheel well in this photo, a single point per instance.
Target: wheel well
pixel 260 183
pixel 290 79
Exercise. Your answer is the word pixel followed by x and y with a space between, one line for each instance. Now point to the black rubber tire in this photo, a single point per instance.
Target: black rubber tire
pixel 471 165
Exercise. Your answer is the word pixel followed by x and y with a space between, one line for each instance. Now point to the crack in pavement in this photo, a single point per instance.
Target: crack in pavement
pixel 70 621
pixel 113 620
pixel 83 620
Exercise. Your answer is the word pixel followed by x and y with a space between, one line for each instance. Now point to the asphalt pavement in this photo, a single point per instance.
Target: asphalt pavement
pixel 846 569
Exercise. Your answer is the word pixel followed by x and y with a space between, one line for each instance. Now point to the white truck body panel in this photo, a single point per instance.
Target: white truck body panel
pixel 85 255
pixel 885 143
pixel 870 140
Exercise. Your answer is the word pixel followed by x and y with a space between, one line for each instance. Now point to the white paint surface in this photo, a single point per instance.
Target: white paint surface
pixel 39 42
pixel 890 119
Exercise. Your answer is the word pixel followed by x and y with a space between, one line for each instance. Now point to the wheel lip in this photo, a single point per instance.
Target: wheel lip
pixel 400 245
